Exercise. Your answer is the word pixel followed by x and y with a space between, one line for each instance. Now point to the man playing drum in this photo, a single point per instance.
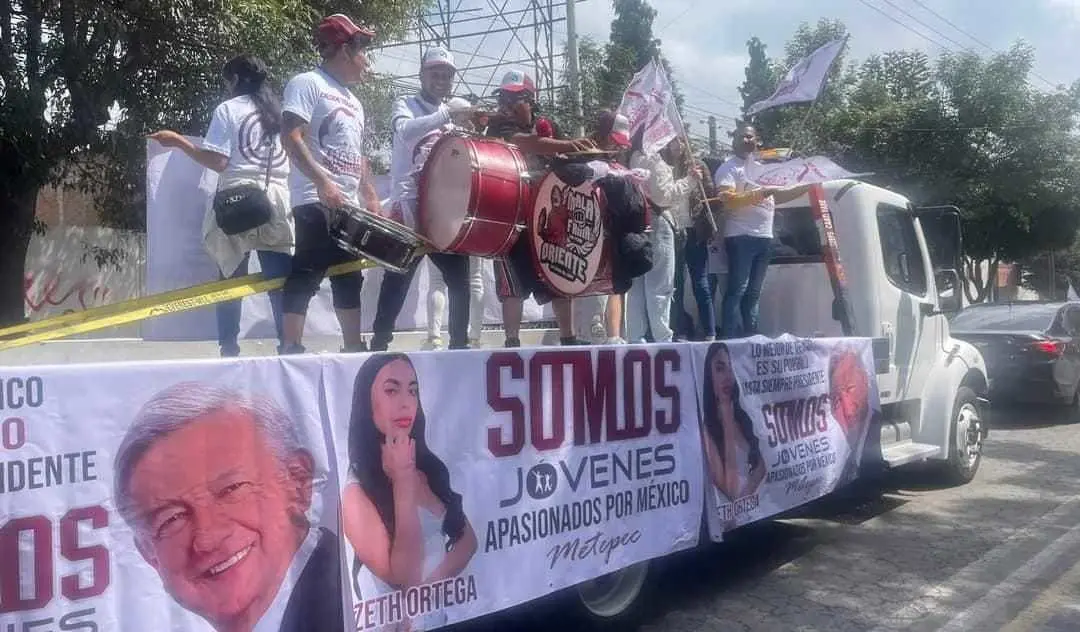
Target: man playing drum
pixel 417 122
pixel 515 275
pixel 323 135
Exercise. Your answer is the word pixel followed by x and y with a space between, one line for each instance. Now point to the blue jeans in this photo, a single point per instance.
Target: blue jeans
pixel 273 264
pixel 695 256
pixel 748 261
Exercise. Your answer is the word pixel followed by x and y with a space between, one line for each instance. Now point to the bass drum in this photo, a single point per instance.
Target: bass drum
pixel 474 195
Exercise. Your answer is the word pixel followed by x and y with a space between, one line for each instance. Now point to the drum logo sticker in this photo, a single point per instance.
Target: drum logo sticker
pixel 566 232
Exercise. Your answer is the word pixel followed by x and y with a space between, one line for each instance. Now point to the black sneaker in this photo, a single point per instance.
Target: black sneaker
pixel 360 347
pixel 512 343
pixel 230 351
pixel 292 348
pixel 573 341
pixel 379 344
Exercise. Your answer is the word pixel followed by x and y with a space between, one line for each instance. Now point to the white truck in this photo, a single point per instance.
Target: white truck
pixel 902 269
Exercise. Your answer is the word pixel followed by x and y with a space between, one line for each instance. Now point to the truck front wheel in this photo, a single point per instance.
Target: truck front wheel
pixel 965 439
pixel 613 598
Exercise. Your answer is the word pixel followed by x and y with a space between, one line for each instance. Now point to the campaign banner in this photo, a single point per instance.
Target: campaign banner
pixel 191 496
pixel 475 481
pixel 783 422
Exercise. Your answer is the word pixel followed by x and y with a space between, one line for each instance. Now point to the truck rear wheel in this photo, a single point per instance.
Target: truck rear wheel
pixel 614 597
pixel 965 439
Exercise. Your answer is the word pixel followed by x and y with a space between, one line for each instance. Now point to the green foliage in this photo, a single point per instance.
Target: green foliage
pixel 64 64
pixel 963 130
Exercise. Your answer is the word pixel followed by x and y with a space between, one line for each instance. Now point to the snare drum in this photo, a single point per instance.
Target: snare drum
pixel 474 195
pixel 387 243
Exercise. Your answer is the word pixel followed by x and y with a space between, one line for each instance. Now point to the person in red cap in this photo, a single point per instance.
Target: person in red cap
pixel 515 278
pixel 323 133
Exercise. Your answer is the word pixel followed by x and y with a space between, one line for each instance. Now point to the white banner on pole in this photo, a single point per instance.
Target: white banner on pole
pixel 803 82
pixel 649 103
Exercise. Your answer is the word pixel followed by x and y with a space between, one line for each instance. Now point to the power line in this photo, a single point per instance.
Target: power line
pixel 976 40
pixel 925 25
pixel 905 26
pixel 947 21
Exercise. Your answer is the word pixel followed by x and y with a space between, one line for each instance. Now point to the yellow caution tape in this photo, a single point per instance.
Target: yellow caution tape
pixel 171 302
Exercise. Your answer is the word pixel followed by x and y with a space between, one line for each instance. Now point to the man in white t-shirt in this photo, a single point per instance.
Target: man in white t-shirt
pixel 748 232
pixel 418 121
pixel 324 135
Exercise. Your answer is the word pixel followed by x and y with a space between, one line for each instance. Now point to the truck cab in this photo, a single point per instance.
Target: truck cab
pixel 902 267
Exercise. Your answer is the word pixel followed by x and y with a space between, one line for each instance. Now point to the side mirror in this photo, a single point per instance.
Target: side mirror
pixel 950 292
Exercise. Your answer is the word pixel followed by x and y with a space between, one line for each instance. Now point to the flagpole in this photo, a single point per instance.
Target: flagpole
pixel 689 151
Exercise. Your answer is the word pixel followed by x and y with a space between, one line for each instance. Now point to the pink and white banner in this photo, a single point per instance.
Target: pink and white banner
pixel 236 495
pixel 649 104
pixel 783 422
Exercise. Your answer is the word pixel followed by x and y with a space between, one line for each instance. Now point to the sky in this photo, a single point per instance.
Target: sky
pixel 705 40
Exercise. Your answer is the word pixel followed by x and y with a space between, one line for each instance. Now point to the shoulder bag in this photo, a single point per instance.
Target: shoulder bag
pixel 241 208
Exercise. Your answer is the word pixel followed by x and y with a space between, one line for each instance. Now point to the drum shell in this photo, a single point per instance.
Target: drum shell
pixel 387 243
pixel 486 219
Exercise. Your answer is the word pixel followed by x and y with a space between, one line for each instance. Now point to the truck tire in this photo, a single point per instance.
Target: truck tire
pixel 965 439
pixel 614 600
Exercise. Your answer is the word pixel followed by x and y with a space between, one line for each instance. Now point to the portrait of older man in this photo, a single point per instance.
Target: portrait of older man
pixel 849 396
pixel 216 487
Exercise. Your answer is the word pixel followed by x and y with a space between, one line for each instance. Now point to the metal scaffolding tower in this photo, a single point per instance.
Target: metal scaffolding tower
pixel 488 37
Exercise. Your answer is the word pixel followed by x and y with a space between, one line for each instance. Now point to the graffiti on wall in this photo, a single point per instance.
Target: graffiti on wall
pixel 67 270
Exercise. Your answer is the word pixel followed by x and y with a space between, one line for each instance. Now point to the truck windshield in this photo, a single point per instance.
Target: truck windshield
pixel 795 236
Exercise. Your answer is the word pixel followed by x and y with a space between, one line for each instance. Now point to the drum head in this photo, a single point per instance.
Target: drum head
pixel 446 190
pixel 566 234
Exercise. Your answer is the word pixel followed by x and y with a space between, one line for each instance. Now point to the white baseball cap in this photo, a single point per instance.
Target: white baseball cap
pixel 437 57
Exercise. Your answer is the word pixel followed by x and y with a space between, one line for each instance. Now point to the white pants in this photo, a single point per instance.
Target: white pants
pixel 648 303
pixel 437 300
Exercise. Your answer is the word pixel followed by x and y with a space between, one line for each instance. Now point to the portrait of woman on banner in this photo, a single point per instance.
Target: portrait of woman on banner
pixel 732 452
pixel 402 517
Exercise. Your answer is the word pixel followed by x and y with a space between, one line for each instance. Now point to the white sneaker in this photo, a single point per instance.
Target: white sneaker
pixel 433 344
pixel 615 340
pixel 598 331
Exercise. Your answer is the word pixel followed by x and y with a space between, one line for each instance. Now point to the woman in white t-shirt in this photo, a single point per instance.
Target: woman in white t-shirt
pixel 242 144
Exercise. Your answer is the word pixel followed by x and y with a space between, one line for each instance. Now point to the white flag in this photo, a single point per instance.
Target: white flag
pixel 803 82
pixel 649 103
pixel 810 170
pixel 1070 295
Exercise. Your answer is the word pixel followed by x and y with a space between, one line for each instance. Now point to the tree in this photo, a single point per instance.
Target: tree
pixel 631 46
pixel 590 60
pixel 64 64
pixel 760 82
pixel 964 130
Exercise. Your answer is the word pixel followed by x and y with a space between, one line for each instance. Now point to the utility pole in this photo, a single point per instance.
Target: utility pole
pixel 572 68
pixel 712 136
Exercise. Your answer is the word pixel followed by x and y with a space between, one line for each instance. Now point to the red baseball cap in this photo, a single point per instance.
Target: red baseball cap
pixel 339 29
pixel 517 81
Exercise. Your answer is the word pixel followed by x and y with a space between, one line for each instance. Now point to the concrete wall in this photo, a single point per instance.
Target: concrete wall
pixel 63 274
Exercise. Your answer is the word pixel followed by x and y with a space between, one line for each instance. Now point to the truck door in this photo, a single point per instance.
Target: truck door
pixel 907 303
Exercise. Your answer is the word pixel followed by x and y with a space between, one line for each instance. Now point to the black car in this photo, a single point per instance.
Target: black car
pixel 1031 349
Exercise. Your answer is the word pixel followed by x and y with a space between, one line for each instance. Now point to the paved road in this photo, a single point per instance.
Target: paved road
pixel 1002 553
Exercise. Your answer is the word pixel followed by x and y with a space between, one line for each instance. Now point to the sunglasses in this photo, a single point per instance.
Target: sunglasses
pixel 512 98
